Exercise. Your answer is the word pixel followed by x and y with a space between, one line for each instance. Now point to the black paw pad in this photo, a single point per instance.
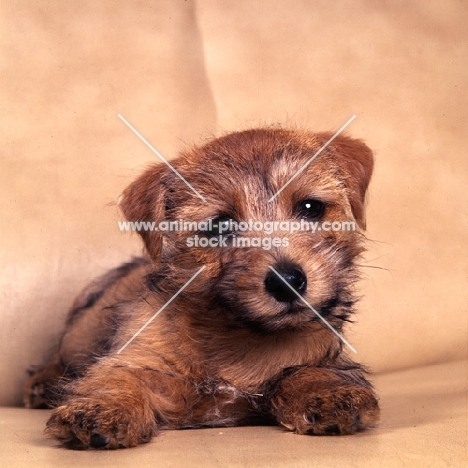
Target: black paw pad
pixel 98 441
pixel 332 429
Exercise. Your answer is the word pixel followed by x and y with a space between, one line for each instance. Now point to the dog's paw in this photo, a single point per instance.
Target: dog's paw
pixel 41 390
pixel 85 423
pixel 345 409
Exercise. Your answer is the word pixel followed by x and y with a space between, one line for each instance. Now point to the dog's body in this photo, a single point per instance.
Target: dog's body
pixel 236 346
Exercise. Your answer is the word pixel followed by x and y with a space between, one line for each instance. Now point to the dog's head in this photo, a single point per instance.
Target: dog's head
pixel 265 180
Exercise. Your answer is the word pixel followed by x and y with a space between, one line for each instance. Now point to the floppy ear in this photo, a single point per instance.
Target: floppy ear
pixel 143 201
pixel 357 163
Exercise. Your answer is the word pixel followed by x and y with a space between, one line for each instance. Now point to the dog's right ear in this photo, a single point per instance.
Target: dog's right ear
pixel 357 163
pixel 144 202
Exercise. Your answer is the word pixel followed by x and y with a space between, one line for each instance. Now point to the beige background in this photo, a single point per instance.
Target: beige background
pixel 179 72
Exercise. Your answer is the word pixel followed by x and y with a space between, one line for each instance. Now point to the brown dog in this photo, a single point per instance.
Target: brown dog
pixel 237 345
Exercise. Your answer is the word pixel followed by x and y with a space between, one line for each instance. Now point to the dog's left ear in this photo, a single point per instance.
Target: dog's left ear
pixel 144 202
pixel 357 163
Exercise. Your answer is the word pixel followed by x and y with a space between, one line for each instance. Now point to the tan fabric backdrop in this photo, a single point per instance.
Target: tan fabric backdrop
pixel 179 72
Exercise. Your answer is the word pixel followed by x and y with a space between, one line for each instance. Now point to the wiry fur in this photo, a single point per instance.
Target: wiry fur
pixel 225 351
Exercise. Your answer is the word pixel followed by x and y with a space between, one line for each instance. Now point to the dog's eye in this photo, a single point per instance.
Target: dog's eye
pixel 221 226
pixel 310 209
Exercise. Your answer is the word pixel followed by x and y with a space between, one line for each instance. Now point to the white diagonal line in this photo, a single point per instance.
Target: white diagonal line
pixel 161 309
pixel 159 156
pixel 312 158
pixel 313 310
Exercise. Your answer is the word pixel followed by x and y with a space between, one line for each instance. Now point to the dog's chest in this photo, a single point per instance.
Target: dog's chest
pixel 255 359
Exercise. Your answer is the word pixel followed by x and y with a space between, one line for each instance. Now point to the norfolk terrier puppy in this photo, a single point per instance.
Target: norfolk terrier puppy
pixel 206 331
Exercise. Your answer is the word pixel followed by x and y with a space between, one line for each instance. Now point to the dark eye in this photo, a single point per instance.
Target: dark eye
pixel 220 226
pixel 310 209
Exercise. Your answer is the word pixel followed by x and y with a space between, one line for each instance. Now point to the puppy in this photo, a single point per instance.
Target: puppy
pixel 199 333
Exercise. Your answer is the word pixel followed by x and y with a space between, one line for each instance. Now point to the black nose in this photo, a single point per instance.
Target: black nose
pixel 290 274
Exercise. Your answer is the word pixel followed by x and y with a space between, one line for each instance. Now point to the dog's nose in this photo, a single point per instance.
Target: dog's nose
pixel 292 276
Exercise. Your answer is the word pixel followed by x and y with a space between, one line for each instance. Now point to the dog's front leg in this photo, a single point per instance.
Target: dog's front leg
pixel 311 400
pixel 113 406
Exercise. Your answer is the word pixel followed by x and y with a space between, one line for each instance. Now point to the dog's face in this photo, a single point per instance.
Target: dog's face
pixel 238 175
